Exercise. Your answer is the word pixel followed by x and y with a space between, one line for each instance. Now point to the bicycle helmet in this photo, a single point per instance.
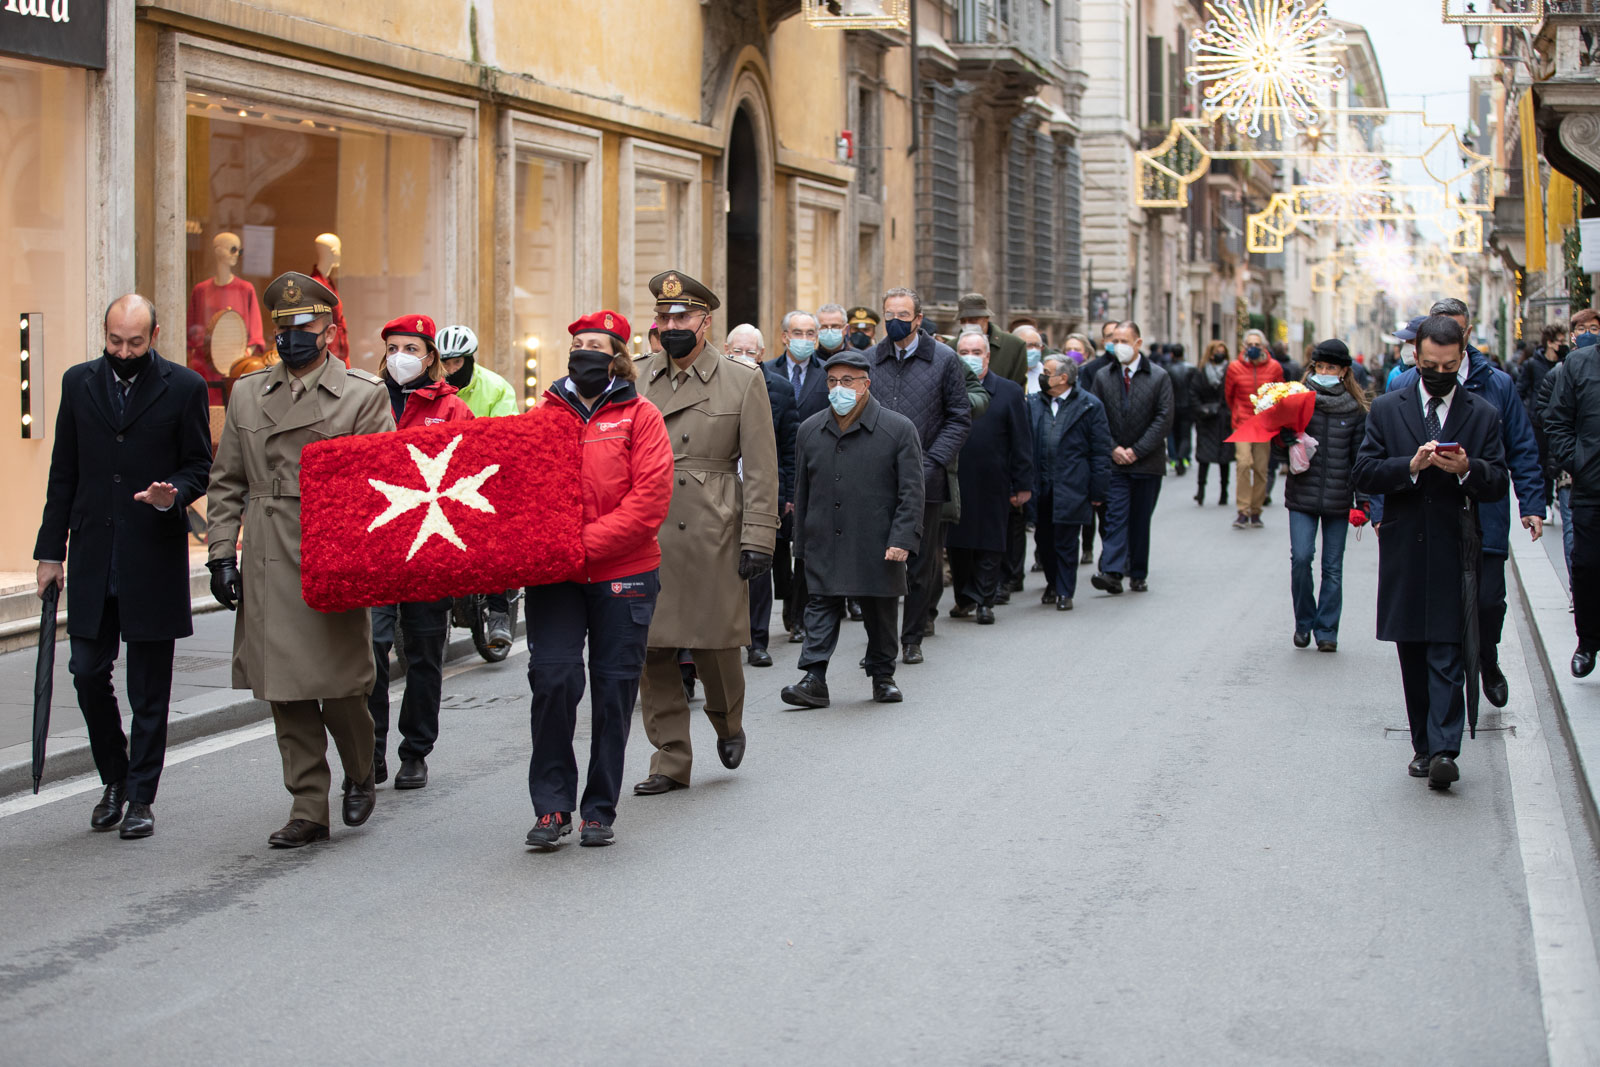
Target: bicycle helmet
pixel 457 341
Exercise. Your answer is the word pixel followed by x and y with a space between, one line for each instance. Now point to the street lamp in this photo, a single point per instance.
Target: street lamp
pixel 1473 32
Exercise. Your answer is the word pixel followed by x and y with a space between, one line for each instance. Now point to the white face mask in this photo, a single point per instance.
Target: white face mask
pixel 1125 352
pixel 403 367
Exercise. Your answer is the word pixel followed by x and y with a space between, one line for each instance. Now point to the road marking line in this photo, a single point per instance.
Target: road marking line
pixel 205 746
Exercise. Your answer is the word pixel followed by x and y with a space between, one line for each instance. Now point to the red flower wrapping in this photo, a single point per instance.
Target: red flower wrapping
pixel 1293 411
pixel 477 506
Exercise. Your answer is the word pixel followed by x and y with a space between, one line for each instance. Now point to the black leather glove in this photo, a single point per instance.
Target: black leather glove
pixel 753 564
pixel 1287 436
pixel 226 585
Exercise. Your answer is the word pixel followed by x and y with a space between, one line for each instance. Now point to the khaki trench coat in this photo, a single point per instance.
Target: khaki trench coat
pixel 283 649
pixel 718 416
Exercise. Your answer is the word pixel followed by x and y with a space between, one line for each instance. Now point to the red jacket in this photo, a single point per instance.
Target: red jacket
pixel 434 403
pixel 627 480
pixel 1244 378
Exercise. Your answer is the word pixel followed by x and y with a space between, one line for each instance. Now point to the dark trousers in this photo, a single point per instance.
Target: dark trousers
pixel 1130 503
pixel 498 602
pixel 825 614
pixel 1491 607
pixel 760 610
pixel 1058 552
pixel 975 575
pixel 1015 567
pixel 1222 482
pixel 149 674
pixel 1178 439
pixel 1586 575
pixel 1433 677
pixel 794 597
pixel 924 576
pixel 1088 530
pixel 426 627
pixel 615 622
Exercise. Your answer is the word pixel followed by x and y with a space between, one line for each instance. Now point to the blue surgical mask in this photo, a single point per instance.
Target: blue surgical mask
pixel 802 349
pixel 1327 381
pixel 842 399
pixel 974 363
pixel 831 338
pixel 1034 355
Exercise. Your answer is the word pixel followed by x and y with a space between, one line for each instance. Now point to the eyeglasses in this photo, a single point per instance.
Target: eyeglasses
pixel 904 316
pixel 848 380
pixel 752 353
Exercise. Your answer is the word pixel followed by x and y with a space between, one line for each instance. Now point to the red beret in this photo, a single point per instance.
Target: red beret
pixel 607 322
pixel 413 325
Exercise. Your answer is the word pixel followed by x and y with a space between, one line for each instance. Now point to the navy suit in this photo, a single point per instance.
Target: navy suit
pixel 1419 548
pixel 128 563
pixel 1072 472
pixel 784 423
pixel 996 464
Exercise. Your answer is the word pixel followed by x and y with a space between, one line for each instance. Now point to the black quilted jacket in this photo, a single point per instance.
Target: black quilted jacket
pixel 928 387
pixel 1338 424
pixel 1142 419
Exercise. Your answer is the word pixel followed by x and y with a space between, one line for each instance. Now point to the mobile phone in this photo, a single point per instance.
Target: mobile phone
pixel 1447 446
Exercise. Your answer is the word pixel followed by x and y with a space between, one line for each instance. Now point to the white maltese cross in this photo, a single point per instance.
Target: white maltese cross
pixel 434 523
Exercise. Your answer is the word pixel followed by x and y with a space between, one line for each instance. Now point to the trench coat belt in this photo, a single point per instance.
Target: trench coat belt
pixel 708 466
pixel 273 487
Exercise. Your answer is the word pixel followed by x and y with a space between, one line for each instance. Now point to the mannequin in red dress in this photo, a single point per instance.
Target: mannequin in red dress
pixel 328 248
pixel 223 290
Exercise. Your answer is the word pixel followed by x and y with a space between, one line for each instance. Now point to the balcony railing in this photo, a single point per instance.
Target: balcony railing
pixel 1024 25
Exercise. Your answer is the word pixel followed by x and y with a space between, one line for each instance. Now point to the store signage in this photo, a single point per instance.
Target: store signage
pixel 69 32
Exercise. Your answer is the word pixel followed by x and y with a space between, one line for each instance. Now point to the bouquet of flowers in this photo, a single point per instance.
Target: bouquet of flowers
pixel 1278 406
pixel 1273 393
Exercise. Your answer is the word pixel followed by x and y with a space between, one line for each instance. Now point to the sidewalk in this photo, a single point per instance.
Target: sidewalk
pixel 203 701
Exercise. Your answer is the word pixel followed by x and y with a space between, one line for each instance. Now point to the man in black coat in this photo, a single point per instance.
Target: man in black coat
pixel 800 369
pixel 1090 370
pixel 996 475
pixel 1571 419
pixel 1138 400
pixel 921 378
pixel 858 514
pixel 1433 449
pixel 127 420
pixel 1072 471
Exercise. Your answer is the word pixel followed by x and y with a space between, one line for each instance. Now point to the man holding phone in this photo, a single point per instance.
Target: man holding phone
pixel 1434 450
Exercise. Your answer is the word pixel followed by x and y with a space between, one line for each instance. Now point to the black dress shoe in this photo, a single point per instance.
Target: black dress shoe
pixel 595 834
pixel 809 692
pixel 985 615
pixel 1004 596
pixel 1442 771
pixel 1582 663
pixel 730 750
pixel 1107 583
pixel 852 608
pixel 656 784
pixel 1087 557
pixel 758 657
pixel 911 654
pixel 1014 585
pixel 1327 646
pixel 549 830
pixel 139 822
pixel 413 774
pixel 1064 603
pixel 884 691
pixel 962 611
pixel 927 630
pixel 1495 686
pixel 297 833
pixel 108 812
pixel 796 636
pixel 380 768
pixel 1418 768
pixel 1049 597
pixel 1138 585
pixel 359 800
pixel 1302 639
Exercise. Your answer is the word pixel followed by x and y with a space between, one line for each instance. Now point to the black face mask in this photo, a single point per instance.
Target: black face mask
pixel 898 329
pixel 859 340
pixel 1220 357
pixel 1438 383
pixel 127 368
pixel 678 343
pixel 590 370
pixel 463 377
pixel 298 348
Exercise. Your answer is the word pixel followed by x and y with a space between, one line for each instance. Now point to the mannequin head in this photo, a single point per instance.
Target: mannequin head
pixel 328 247
pixel 225 255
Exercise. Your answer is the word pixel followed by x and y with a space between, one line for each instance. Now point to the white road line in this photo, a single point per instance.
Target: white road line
pixel 1569 973
pixel 205 746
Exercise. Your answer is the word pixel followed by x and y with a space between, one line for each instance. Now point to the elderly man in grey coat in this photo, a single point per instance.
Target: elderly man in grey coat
pixel 858 515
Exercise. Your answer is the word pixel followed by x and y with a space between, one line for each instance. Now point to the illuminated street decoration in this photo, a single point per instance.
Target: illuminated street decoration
pixel 1265 63
pixel 1346 188
pixel 1493 13
pixel 857 14
pixel 1384 262
pixel 1461 227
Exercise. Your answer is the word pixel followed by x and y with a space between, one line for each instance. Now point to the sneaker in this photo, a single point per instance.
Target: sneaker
pixel 595 834
pixel 549 830
pixel 1256 523
pixel 1241 521
pixel 497 627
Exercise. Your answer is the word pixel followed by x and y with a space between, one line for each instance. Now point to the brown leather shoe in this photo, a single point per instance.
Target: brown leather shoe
pixel 297 833
pixel 359 800
pixel 656 784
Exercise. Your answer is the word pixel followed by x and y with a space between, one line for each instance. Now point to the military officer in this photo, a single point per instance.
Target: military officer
pixel 315 669
pixel 863 328
pixel 719 532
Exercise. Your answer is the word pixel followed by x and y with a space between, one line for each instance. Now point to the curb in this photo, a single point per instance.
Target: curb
pixel 195 717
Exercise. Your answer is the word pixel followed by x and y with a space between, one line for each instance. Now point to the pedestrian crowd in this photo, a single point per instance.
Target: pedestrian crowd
pixel 839 473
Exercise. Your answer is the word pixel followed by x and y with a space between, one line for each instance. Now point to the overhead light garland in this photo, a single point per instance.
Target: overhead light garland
pixel 1347 188
pixel 1266 63
pixel 857 14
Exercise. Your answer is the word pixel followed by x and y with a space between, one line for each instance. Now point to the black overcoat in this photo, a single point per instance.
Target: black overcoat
pixel 785 421
pixel 1212 422
pixel 97 463
pixel 1080 474
pixel 857 494
pixel 996 462
pixel 1419 540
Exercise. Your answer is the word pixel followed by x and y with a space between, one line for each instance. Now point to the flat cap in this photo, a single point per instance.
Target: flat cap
pixel 973 306
pixel 848 357
pixel 293 299
pixel 676 292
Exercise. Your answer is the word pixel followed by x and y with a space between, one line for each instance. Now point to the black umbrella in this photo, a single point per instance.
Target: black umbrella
pixel 44 680
pixel 1471 557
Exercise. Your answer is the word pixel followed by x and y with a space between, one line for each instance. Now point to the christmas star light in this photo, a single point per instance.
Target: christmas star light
pixel 1347 188
pixel 1265 61
pixel 434 521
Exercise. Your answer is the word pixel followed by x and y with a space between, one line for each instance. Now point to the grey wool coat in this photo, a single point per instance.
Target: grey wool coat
pixel 856 495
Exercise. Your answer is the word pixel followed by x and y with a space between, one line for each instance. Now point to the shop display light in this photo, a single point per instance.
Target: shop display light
pixel 27 338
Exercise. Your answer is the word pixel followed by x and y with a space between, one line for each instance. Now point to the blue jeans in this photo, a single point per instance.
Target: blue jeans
pixel 1318 616
pixel 1564 503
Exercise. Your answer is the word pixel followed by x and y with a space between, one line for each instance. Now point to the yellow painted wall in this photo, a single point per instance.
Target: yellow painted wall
pixel 808 83
pixel 427 25
pixel 899 172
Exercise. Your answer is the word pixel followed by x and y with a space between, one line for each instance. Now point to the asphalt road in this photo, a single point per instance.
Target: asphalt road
pixel 1148 831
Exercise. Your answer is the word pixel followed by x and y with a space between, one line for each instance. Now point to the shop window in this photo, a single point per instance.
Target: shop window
pixel 544 300
pixel 659 223
pixel 662 231
pixel 817 252
pixel 266 188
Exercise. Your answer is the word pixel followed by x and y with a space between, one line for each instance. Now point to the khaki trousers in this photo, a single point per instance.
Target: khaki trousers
pixel 1250 480
pixel 303 728
pixel 666 709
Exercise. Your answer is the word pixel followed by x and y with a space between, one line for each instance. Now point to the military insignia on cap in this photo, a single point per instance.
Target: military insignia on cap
pixel 672 287
pixel 291 292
